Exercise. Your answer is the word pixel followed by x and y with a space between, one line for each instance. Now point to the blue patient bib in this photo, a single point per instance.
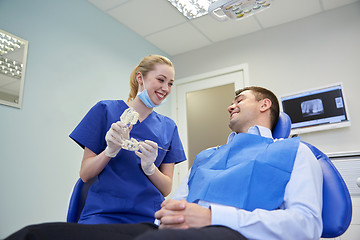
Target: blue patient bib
pixel 249 172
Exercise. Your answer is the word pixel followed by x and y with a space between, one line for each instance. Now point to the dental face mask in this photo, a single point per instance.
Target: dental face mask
pixel 144 97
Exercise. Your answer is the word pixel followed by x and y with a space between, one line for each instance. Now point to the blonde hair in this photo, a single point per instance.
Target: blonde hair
pixel 146 65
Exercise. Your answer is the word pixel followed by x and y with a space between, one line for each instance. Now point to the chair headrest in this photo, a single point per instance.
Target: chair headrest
pixel 283 126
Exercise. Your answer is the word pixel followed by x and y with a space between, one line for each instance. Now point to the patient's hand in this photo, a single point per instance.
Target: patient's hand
pixel 181 214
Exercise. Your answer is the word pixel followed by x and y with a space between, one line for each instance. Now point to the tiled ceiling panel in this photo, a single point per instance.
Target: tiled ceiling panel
pixel 146 17
pixel 179 39
pixel 330 4
pixel 288 10
pixel 218 31
pixel 161 24
pixel 105 5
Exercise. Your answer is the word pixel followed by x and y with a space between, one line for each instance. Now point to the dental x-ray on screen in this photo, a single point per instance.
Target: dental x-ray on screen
pixel 318 109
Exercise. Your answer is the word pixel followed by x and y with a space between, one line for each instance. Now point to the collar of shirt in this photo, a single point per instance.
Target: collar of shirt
pixel 256 130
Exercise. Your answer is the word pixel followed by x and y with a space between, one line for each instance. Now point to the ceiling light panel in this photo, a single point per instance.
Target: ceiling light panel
pixel 192 8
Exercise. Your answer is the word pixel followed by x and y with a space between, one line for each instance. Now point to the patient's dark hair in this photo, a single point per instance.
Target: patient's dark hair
pixel 260 94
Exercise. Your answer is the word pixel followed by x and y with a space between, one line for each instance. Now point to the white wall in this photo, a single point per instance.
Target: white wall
pixel 301 55
pixel 77 56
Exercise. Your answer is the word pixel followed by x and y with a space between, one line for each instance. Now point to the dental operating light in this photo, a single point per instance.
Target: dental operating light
pixel 221 10
pixel 224 10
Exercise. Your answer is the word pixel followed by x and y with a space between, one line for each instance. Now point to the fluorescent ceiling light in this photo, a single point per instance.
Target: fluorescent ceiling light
pixel 192 8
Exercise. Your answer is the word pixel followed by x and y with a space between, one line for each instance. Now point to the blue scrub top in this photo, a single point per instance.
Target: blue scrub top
pixel 123 193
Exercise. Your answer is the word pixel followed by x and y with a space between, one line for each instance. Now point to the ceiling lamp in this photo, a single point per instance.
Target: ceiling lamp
pixel 192 8
pixel 223 10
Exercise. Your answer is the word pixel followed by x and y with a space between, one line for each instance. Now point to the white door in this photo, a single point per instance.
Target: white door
pixel 186 89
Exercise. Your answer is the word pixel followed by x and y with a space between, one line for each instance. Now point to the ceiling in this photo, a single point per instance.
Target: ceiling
pixel 161 24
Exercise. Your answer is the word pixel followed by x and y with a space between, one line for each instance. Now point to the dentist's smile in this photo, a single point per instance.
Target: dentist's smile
pixel 160 95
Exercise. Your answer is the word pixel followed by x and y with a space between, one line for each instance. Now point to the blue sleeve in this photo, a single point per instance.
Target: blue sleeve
pixel 90 132
pixel 176 152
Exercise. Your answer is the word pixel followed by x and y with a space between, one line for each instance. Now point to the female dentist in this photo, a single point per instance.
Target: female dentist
pixel 130 186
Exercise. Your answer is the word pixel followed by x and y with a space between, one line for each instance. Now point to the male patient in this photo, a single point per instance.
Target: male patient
pixel 254 187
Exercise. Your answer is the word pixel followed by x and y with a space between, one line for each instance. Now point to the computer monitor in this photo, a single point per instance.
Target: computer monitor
pixel 317 109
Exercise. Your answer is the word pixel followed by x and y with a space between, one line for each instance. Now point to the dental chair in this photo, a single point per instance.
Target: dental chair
pixel 77 199
pixel 337 207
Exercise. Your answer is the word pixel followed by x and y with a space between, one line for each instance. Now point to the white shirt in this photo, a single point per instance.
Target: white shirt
pixel 299 216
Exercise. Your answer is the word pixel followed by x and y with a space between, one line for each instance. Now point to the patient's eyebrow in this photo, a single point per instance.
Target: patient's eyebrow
pixel 241 96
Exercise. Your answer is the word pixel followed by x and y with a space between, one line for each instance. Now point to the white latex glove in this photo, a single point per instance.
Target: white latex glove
pixel 148 152
pixel 114 138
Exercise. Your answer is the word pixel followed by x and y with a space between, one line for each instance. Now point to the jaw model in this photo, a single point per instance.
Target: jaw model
pixel 129 117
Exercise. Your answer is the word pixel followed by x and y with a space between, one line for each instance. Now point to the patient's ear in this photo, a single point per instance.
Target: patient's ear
pixel 265 105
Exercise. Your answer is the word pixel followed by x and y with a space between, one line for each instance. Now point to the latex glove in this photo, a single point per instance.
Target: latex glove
pixel 148 152
pixel 114 138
